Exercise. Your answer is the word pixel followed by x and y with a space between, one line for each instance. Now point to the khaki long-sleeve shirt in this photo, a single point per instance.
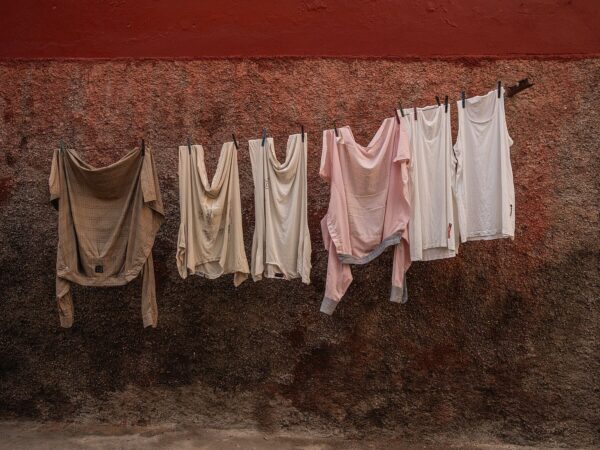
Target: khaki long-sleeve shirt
pixel 108 218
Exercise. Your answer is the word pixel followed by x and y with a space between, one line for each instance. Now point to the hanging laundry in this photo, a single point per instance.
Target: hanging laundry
pixel 369 206
pixel 484 178
pixel 107 220
pixel 210 241
pixel 432 228
pixel 281 243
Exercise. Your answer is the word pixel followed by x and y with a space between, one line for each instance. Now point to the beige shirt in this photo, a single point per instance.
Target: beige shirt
pixel 210 241
pixel 107 220
pixel 281 243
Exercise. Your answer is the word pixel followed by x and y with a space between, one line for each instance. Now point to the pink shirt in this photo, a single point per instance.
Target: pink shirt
pixel 369 206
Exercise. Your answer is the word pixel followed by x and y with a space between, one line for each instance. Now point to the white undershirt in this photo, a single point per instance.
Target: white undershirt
pixel 484 179
pixel 432 227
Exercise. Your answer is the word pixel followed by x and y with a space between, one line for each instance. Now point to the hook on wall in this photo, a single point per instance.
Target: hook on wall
pixel 520 86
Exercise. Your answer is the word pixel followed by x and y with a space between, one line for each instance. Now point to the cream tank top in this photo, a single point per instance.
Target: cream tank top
pixel 281 245
pixel 484 178
pixel 432 227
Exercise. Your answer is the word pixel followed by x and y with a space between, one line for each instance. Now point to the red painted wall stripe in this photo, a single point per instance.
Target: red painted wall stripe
pixel 382 28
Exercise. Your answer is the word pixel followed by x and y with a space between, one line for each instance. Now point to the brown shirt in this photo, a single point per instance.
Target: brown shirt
pixel 107 220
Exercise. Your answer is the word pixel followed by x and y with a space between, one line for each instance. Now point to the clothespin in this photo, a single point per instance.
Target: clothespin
pixel 462 96
pixel 401 110
pixel 143 148
pixel 415 109
pixel 189 146
pixel 397 116
pixel 335 129
pixel 446 104
pixel 437 99
pixel 302 132
pixel 264 137
pixel 499 88
pixel 62 146
pixel 237 147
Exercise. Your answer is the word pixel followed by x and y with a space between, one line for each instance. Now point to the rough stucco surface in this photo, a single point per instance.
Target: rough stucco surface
pixel 503 340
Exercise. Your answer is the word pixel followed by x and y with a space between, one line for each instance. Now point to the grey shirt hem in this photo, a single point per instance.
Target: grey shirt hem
pixel 350 259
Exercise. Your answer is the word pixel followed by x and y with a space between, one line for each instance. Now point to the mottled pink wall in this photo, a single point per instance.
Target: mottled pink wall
pixel 502 340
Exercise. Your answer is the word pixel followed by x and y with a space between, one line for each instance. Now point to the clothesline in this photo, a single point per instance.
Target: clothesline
pixel 510 92
pixel 406 176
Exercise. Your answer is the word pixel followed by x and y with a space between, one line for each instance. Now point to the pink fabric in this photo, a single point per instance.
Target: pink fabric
pixel 369 206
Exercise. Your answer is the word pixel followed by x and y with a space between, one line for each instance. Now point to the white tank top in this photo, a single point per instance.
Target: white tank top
pixel 484 179
pixel 432 228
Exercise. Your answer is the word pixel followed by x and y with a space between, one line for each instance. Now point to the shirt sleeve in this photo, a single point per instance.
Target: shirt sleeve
pixel 328 144
pixel 149 180
pixel 402 151
pixel 54 180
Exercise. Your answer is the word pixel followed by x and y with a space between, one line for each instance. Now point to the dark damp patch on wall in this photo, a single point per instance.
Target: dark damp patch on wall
pixel 502 337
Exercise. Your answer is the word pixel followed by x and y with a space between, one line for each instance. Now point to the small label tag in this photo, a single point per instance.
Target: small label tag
pixel 266 183
pixel 449 229
pixel 510 210
pixel 278 275
pixel 99 269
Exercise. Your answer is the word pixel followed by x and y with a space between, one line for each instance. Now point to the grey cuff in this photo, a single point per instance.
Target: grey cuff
pixel 328 305
pixel 399 294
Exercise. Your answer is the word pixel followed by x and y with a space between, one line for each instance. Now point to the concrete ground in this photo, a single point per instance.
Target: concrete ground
pixel 46 436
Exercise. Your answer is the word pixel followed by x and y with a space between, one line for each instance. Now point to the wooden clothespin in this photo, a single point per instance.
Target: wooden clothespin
pixel 264 137
pixel 446 104
pixel 499 88
pixel 143 148
pixel 415 110
pixel 237 147
pixel 462 96
pixel 189 142
pixel 401 110
pixel 397 116
pixel 437 99
pixel 62 146
pixel 335 129
pixel 302 131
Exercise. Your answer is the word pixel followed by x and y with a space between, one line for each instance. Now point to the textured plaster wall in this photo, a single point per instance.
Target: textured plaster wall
pixel 503 340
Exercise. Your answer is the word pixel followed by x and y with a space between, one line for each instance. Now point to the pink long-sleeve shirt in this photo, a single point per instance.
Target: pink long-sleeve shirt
pixel 369 206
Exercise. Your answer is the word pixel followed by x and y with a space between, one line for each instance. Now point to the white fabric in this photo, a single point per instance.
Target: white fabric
pixel 281 244
pixel 484 179
pixel 210 241
pixel 432 227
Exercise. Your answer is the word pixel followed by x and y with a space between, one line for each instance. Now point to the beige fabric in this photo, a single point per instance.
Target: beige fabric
pixel 281 243
pixel 210 241
pixel 107 220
